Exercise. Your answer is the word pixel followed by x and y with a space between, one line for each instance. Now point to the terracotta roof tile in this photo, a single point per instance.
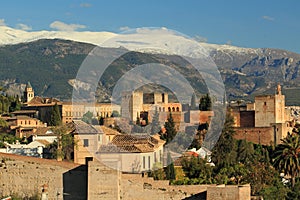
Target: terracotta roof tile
pixel 80 127
pixel 132 143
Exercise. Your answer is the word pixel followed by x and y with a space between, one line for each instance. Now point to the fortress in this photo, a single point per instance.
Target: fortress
pixel 266 121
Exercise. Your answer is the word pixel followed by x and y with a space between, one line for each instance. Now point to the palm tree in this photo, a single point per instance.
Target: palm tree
pixel 287 157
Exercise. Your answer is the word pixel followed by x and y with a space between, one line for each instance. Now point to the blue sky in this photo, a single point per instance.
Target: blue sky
pixel 253 23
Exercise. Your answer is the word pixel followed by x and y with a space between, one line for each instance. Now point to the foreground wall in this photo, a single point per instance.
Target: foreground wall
pixel 25 176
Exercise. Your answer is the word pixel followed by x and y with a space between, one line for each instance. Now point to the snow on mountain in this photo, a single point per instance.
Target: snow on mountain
pixel 14 36
pixel 145 40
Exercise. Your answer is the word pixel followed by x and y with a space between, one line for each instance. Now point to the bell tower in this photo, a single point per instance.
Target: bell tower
pixel 28 93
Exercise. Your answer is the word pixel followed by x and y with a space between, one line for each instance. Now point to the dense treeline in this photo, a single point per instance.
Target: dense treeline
pixel 272 171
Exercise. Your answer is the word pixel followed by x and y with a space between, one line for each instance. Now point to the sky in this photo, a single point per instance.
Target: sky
pixel 255 23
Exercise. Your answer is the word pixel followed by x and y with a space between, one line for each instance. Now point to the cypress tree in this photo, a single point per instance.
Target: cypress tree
pixel 155 126
pixel 101 121
pixel 55 118
pixel 205 103
pixel 170 170
pixel 170 129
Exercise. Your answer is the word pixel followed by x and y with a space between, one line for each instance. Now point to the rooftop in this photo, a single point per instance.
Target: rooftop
pixel 80 127
pixel 42 101
pixel 132 143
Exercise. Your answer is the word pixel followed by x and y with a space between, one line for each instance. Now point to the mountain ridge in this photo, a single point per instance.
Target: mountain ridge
pixel 245 71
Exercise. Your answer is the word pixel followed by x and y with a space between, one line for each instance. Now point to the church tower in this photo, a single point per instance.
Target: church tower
pixel 28 93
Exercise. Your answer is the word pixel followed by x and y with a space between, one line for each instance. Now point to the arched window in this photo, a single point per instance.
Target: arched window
pixel 177 109
pixel 159 109
pixel 169 109
pixel 173 109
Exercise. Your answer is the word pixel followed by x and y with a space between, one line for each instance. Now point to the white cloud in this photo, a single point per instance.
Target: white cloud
pixel 23 27
pixel 266 17
pixel 85 5
pixel 124 28
pixel 61 26
pixel 2 22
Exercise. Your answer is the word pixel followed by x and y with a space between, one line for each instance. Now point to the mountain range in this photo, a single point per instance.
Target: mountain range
pixel 50 61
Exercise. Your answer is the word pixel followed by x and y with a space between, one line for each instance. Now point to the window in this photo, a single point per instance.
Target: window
pixel 85 142
pixel 149 163
pixel 160 156
pixel 265 103
pixel 144 162
pixel 155 160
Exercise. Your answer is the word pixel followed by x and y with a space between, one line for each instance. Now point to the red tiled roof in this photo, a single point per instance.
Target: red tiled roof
pixel 41 101
pixel 132 143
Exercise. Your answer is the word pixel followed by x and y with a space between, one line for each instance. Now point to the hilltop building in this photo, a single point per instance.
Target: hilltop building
pixel 41 107
pixel 266 121
pixel 138 104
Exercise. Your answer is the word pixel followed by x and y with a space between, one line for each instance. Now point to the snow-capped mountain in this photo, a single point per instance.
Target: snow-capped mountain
pixel 245 71
pixel 160 40
pixel 14 36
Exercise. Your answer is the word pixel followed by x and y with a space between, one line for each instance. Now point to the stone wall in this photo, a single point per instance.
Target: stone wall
pixel 229 192
pixel 25 176
pixel 103 182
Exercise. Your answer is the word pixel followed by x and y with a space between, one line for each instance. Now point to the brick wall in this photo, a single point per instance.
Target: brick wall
pixel 247 118
pixel 258 135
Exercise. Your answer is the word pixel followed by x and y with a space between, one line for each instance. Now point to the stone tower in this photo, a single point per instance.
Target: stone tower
pixel 270 109
pixel 28 93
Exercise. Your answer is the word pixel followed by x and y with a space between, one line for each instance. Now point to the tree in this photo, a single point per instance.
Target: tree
pixel 101 121
pixel 64 146
pixel 170 170
pixel 245 151
pixel 15 105
pixel 224 152
pixel 115 113
pixel 158 172
pixel 155 126
pixel 3 123
pixel 170 129
pixel 286 157
pixel 199 136
pixel 205 103
pixel 55 118
pixel 87 117
pixel 197 170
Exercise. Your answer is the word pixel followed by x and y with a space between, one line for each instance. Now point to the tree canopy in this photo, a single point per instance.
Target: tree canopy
pixel 205 103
